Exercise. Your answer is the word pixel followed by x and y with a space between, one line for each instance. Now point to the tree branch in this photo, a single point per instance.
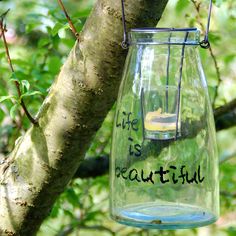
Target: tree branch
pixel 17 84
pixel 93 167
pixel 72 27
pixel 225 116
pixel 219 79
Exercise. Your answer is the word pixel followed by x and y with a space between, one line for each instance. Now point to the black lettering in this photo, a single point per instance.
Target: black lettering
pixel 191 180
pixel 130 147
pixel 126 122
pixel 134 124
pixel 130 150
pixel 138 148
pixel 182 174
pixel 123 171
pixel 135 177
pixel 149 178
pixel 134 150
pixel 162 172
pixel 123 120
pixel 199 175
pixel 175 181
pixel 129 123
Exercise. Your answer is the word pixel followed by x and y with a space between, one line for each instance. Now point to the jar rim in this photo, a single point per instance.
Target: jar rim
pixel 164 29
pixel 163 36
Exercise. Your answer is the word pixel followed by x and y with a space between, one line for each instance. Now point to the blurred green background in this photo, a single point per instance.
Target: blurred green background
pixel 39 40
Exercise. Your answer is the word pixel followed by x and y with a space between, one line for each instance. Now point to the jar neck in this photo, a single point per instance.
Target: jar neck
pixel 162 36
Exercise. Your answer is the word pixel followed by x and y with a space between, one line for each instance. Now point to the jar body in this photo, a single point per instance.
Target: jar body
pixel 163 169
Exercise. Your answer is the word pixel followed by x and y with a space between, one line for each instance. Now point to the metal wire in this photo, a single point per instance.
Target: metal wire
pixel 168 73
pixel 179 84
pixel 142 112
pixel 125 42
pixel 205 42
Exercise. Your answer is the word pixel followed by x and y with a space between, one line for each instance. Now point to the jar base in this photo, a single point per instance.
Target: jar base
pixel 153 216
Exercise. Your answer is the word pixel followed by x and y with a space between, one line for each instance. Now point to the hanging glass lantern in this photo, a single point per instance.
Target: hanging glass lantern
pixel 164 163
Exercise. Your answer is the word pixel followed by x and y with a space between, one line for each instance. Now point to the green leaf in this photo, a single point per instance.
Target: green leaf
pixel 72 197
pixel 29 94
pixel 68 42
pixel 214 37
pixel 2 54
pixel 56 28
pixel 54 64
pixel 66 26
pixel 211 91
pixel 14 77
pixel 81 13
pixel 181 5
pixel 92 215
pixel 229 58
pixel 55 210
pixel 18 76
pixel 13 111
pixel 9 97
pixel 30 27
pixel 43 42
pixel 25 84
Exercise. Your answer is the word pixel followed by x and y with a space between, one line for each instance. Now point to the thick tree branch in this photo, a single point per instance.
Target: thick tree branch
pixel 225 116
pixel 93 167
pixel 47 157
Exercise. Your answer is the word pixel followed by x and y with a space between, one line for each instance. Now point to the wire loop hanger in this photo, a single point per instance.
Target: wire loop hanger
pixel 125 42
pixel 204 43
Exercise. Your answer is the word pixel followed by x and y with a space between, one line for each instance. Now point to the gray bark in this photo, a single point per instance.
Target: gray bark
pixel 47 157
pixel 225 116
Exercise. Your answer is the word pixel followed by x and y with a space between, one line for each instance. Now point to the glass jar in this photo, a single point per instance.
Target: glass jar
pixel 164 163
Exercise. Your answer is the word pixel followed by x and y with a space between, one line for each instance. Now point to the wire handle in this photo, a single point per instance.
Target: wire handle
pixel 125 42
pixel 204 43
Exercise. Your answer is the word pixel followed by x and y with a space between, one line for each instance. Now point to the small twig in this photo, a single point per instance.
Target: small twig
pixel 1 20
pixel 3 30
pixel 219 79
pixel 72 27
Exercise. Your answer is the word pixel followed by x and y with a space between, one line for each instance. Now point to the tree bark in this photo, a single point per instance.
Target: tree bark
pixel 225 116
pixel 47 157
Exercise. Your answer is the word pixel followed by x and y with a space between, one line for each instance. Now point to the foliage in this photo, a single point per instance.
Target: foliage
pixel 39 41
